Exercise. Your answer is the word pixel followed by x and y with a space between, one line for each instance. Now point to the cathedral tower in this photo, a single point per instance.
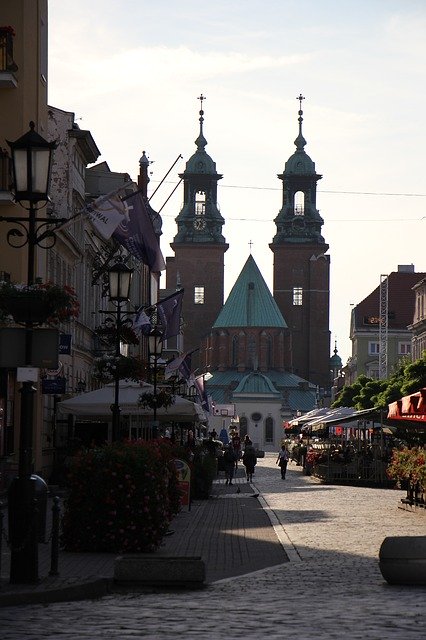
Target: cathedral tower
pixel 199 246
pixel 302 268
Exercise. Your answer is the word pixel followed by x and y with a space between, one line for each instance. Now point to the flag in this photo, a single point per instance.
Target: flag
pixel 169 313
pixel 201 392
pixel 136 233
pixel 181 364
pixel 106 213
pixel 142 322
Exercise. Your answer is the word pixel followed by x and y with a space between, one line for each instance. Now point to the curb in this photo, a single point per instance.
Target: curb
pixel 80 591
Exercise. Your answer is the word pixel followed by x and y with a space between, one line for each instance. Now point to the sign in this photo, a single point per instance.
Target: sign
pixel 184 482
pixel 53 385
pixel 64 344
pixel 44 348
pixel 27 374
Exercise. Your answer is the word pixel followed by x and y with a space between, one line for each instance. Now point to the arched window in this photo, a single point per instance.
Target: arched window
pixel 234 351
pixel 299 203
pixel 269 362
pixel 200 203
pixel 269 430
pixel 243 427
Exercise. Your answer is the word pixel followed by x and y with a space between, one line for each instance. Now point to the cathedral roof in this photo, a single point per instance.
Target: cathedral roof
pixel 256 383
pixel 250 303
pixel 300 163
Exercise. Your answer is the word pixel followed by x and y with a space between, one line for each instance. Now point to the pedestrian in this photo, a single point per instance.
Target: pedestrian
pixel 236 443
pixel 282 461
pixel 229 458
pixel 249 459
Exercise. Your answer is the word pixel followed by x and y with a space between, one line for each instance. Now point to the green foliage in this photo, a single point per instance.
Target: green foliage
pixel 122 497
pixel 366 393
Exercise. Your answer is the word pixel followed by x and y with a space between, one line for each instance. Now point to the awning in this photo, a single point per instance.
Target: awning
pixel 340 416
pixel 98 403
pixel 411 407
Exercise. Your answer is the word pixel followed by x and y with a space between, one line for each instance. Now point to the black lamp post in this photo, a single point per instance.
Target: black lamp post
pixel 155 348
pixel 32 158
pixel 119 280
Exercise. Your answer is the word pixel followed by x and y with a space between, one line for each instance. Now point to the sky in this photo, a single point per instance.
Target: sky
pixel 132 71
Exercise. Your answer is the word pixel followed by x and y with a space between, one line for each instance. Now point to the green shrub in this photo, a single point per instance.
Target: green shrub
pixel 121 498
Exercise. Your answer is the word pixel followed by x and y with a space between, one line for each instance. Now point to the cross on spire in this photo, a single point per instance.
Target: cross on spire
pixel 300 98
pixel 201 98
pixel 250 245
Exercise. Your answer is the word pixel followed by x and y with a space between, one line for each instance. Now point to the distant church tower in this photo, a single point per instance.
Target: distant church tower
pixel 199 247
pixel 301 268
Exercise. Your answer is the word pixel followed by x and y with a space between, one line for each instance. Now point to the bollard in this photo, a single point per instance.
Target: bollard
pixel 54 556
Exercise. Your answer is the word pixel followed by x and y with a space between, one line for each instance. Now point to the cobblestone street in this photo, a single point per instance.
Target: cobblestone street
pixel 331 588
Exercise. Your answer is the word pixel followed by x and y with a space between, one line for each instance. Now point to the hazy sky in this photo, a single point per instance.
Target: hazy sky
pixel 132 70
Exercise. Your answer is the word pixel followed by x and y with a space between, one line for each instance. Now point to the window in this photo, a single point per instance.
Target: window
pixel 198 295
pixel 269 430
pixel 373 348
pixel 299 203
pixel 243 427
pixel 200 203
pixel 297 296
pixel 235 351
pixel 404 348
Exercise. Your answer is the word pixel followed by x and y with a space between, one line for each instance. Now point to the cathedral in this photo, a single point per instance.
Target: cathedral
pixel 267 353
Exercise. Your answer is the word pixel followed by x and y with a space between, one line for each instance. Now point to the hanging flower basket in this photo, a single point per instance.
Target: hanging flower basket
pixel 162 398
pixel 105 368
pixel 37 304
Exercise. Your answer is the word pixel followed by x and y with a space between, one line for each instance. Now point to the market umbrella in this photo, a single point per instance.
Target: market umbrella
pixel 99 403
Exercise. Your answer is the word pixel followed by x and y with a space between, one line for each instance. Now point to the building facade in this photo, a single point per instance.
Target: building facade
pixel 365 326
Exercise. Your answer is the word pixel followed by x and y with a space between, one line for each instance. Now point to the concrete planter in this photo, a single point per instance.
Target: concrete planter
pixel 402 560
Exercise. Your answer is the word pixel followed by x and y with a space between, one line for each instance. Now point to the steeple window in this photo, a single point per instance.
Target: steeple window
pixel 299 203
pixel 200 203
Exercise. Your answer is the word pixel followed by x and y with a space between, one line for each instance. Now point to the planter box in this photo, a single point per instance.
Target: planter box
pixel 402 560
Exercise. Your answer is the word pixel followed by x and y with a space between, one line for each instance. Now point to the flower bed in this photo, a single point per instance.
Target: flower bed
pixel 122 497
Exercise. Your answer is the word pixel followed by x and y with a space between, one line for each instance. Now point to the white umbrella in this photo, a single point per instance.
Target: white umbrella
pixel 98 403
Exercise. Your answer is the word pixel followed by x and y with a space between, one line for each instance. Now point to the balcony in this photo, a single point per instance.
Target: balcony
pixel 7 63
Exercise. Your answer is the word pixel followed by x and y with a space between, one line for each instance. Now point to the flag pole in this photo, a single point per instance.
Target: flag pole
pixel 159 185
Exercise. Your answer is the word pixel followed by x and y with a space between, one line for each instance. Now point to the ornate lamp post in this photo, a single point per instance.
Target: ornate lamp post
pixel 31 158
pixel 155 348
pixel 119 280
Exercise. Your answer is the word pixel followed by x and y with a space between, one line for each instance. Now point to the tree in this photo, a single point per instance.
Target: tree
pixel 366 393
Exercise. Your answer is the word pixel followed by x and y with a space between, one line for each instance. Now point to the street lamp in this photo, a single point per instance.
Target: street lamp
pixel 119 280
pixel 155 348
pixel 31 161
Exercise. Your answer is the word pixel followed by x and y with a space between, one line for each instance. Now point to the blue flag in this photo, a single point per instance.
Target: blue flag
pixel 169 313
pixel 136 233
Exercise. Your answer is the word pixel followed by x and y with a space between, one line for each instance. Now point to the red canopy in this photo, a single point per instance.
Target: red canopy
pixel 412 407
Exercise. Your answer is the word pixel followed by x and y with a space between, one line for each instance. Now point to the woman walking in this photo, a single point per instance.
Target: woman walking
pixel 282 461
pixel 249 459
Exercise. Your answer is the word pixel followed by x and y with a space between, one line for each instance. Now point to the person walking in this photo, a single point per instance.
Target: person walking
pixel 229 458
pixel 249 459
pixel 282 461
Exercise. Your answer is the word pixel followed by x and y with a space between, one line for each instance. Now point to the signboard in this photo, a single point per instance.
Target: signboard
pixel 53 385
pixel 64 344
pixel 184 482
pixel 44 348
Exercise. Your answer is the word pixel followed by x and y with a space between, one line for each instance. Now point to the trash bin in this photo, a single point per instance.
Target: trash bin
pixel 41 506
